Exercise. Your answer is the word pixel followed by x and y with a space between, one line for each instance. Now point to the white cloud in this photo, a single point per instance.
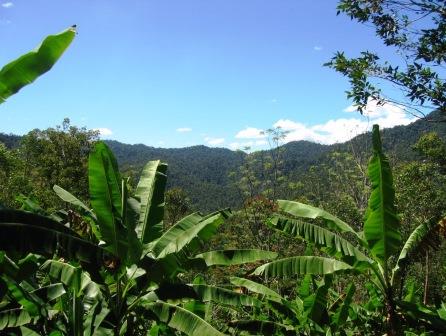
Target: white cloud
pixel 184 129
pixel 343 129
pixel 273 101
pixel 251 133
pixel 103 131
pixel 318 48
pixel 214 141
pixel 7 5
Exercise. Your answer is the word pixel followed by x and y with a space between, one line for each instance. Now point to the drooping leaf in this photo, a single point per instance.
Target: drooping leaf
pixel 106 198
pixel 186 232
pixel 150 191
pixel 319 236
pixel 70 198
pixel 25 232
pixel 417 240
pixel 307 211
pixel 224 296
pixel 10 318
pixel 260 327
pixel 235 257
pixel 50 292
pixel 256 288
pixel 28 67
pixel 72 277
pixel 182 319
pixel 291 266
pixel 381 227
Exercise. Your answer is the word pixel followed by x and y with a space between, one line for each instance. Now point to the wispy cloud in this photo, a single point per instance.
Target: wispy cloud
pixel 318 48
pixel 214 141
pixel 103 131
pixel 184 129
pixel 343 129
pixel 7 4
pixel 251 133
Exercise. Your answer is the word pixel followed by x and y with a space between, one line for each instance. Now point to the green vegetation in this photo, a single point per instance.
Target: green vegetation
pixel 87 248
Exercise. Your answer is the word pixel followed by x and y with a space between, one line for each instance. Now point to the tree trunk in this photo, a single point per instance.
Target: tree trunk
pixel 426 279
pixel 392 317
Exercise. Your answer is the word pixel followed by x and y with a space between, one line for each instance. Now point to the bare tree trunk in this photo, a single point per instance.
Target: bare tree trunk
pixel 426 279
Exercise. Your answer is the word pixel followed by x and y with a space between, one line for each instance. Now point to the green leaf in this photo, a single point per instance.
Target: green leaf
pixel 235 257
pixel 340 317
pixel 291 266
pixel 182 319
pixel 25 232
pixel 224 296
pixel 150 191
pixel 28 67
pixel 186 232
pixel 319 236
pixel 381 227
pixel 260 327
pixel 412 244
pixel 106 197
pixel 72 277
pixel 307 211
pixel 256 288
pixel 14 318
pixel 50 292
pixel 70 198
pixel 315 305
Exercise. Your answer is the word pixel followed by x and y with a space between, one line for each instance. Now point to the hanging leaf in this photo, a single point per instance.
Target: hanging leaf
pixel 291 266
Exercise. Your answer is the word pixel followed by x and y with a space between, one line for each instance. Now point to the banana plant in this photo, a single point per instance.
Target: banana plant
pixel 369 252
pixel 26 69
pixel 144 264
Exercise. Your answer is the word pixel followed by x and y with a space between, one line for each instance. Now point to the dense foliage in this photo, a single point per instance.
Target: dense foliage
pixel 357 249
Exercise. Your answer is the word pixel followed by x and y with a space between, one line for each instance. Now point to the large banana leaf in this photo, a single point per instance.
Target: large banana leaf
pixel 28 67
pixel 235 257
pixel 72 277
pixel 150 191
pixel 256 288
pixel 260 327
pixel 381 227
pixel 186 232
pixel 14 318
pixel 182 319
pixel 307 211
pixel 319 236
pixel 224 296
pixel 417 237
pixel 106 198
pixel 70 198
pixel 25 232
pixel 291 266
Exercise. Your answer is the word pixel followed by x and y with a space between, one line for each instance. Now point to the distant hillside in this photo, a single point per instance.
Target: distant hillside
pixel 203 172
pixel 10 140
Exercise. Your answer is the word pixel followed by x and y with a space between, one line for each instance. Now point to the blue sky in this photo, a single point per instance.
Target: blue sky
pixel 175 73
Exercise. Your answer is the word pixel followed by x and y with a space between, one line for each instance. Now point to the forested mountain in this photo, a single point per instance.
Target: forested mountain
pixel 204 173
